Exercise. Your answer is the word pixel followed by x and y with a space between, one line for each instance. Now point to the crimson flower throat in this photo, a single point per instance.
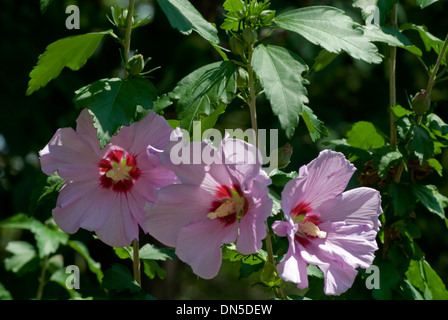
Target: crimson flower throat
pixel 118 171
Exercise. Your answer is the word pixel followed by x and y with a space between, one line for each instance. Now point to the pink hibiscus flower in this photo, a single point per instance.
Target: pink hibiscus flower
pixel 106 189
pixel 327 227
pixel 217 202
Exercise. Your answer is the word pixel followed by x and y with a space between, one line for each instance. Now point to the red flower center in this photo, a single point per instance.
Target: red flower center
pixel 308 222
pixel 118 171
pixel 232 204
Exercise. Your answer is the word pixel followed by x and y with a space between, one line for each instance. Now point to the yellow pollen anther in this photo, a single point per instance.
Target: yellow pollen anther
pixel 228 206
pixel 311 229
pixel 119 171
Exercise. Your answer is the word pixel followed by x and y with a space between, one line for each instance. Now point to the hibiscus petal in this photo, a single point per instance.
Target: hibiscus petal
pixel 243 160
pixel 120 228
pixel 252 224
pixel 293 267
pixel 177 206
pixel 199 245
pixel 85 128
pixel 353 245
pixel 70 155
pixel 337 279
pixel 152 130
pixel 79 205
pixel 356 206
pixel 322 179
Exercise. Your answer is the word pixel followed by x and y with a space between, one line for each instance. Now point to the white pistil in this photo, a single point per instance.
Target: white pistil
pixel 311 229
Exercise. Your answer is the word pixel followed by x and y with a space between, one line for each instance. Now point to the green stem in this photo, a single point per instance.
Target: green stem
pixel 253 117
pixel 40 289
pixel 392 84
pixel 252 95
pixel 432 77
pixel 136 262
pixel 127 39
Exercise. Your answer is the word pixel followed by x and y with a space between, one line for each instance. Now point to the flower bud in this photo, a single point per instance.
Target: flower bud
pixel 242 78
pixel 284 156
pixel 136 65
pixel 420 102
pixel 250 35
pixel 266 17
pixel 237 46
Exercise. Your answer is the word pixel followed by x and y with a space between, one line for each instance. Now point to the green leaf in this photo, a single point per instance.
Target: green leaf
pixel 4 294
pixel 385 158
pixel 430 41
pixel 48 237
pixel 368 9
pixel 152 269
pixel 280 72
pixel 71 52
pixel 420 143
pixel 44 4
pixel 183 16
pixel 424 3
pixel 60 277
pixel 323 59
pixel 431 198
pixel 437 125
pixel 203 90
pixel 210 121
pixel 365 135
pixel 436 165
pixel 115 102
pixel 402 199
pixel 46 190
pixel 315 126
pixel 392 37
pixel 424 278
pixel 93 265
pixel 269 275
pixel 24 257
pixel 332 29
pixel 151 252
pixel 399 111
pixel 124 253
pixel 118 278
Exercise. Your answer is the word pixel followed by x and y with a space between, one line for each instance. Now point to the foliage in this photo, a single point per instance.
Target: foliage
pixel 252 66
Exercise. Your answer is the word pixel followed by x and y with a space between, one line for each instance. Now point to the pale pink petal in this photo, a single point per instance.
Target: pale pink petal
pixel 75 204
pixel 356 206
pixel 85 129
pixel 252 224
pixel 338 279
pixel 177 206
pixel 70 155
pixel 152 130
pixel 120 227
pixel 293 267
pixel 322 179
pixel 199 245
pixel 353 245
pixel 243 160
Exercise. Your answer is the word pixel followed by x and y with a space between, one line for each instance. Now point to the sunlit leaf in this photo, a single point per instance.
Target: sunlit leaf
pixel 116 102
pixel 184 17
pixel 280 72
pixel 332 29
pixel 71 52
pixel 202 91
